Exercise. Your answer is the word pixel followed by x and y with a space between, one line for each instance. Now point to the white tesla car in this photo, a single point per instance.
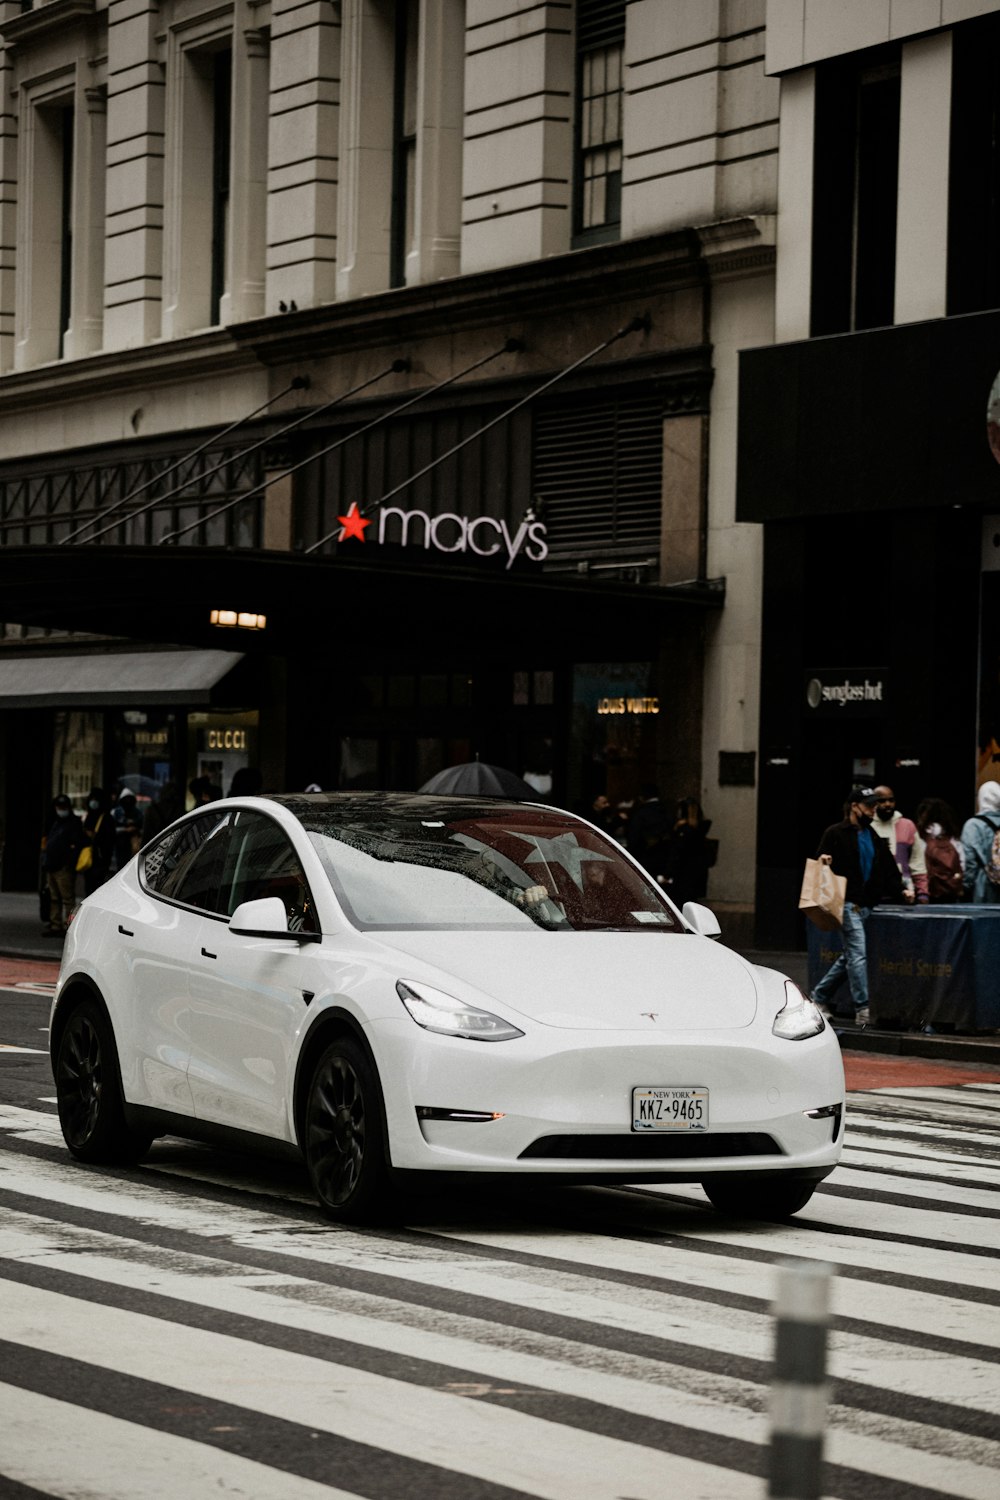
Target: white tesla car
pixel 395 985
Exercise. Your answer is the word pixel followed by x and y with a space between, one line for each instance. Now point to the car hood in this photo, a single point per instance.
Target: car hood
pixel 605 981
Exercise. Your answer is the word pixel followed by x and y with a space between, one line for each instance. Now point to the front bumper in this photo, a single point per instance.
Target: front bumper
pixel 558 1104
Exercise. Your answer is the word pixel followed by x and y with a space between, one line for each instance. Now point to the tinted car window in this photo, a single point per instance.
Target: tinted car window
pixel 261 862
pixel 435 865
pixel 186 864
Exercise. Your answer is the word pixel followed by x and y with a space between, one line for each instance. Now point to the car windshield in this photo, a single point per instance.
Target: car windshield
pixel 419 863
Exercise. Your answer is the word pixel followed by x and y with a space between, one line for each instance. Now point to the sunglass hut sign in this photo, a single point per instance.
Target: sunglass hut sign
pixel 484 536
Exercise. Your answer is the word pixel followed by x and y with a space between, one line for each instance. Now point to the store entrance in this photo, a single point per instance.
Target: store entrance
pixel 835 757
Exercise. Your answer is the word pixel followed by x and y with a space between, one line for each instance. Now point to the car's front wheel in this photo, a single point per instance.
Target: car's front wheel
pixel 344 1135
pixel 743 1198
pixel 89 1093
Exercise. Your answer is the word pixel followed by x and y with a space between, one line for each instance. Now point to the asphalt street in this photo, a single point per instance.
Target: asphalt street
pixel 193 1327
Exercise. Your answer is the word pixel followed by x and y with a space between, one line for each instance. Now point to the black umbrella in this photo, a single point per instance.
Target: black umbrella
pixel 477 779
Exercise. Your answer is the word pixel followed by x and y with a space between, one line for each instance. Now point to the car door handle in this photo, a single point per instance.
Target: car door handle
pixel 205 954
pixel 124 931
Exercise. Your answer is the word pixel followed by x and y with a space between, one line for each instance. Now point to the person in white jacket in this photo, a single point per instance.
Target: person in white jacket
pixel 905 842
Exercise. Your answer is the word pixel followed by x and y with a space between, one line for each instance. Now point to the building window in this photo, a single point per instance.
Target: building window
pixel 66 118
pixel 600 48
pixel 197 209
pixel 404 135
pixel 222 103
pixel 974 168
pixel 855 178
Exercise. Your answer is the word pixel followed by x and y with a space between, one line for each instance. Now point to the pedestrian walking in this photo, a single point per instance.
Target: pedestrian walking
pixel 937 825
pixel 689 854
pixel 99 838
pixel 60 852
pixel 649 829
pixel 872 875
pixel 903 838
pixel 981 842
pixel 128 828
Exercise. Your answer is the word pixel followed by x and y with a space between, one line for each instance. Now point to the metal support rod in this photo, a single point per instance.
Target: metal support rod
pixel 272 437
pixel 799 1389
pixel 508 348
pixel 300 383
pixel 634 326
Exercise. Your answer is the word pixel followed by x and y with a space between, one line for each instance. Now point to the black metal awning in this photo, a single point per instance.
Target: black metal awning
pixel 314 606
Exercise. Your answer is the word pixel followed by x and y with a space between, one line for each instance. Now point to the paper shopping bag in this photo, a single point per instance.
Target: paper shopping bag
pixel 822 896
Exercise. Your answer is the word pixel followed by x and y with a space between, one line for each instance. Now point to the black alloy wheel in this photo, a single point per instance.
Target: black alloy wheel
pixel 344 1136
pixel 742 1198
pixel 88 1091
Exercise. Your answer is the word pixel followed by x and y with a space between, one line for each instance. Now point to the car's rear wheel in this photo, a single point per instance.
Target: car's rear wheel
pixel 743 1198
pixel 89 1091
pixel 344 1135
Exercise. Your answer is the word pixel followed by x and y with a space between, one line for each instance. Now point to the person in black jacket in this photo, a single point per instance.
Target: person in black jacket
pixel 99 833
pixel 855 851
pixel 60 852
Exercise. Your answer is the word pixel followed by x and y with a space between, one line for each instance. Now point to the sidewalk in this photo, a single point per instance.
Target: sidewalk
pixel 21 937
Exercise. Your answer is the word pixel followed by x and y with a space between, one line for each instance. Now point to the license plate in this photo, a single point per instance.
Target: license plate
pixel 669 1109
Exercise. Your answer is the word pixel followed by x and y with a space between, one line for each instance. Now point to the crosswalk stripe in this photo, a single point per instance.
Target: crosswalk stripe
pixel 66 1451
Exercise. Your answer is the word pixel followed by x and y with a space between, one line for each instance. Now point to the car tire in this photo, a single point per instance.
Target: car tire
pixel 742 1198
pixel 89 1091
pixel 344 1135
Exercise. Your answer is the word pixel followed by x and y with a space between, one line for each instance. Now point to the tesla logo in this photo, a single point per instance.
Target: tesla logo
pixel 652 1014
pixel 483 535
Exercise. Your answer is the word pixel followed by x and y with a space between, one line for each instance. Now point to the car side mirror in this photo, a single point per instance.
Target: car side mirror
pixel 702 921
pixel 265 918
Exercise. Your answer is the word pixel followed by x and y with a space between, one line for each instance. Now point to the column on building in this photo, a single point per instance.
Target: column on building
pixel 793 284
pixel 84 334
pixel 922 204
pixel 45 129
pixel 302 184
pixel 517 181
pixel 435 249
pixel 367 138
pixel 8 208
pixel 246 246
pixel 133 271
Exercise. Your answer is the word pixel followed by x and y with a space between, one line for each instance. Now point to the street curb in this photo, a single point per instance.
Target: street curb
pixel 44 955
pixel 915 1044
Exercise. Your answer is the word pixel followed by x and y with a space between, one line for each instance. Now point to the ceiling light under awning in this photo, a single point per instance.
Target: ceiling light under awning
pixel 233 619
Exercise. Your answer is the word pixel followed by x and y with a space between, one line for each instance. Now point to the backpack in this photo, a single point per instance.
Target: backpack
pixel 991 864
pixel 944 870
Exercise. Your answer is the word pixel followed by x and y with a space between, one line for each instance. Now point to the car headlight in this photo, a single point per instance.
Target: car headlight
pixel 435 1011
pixel 798 1017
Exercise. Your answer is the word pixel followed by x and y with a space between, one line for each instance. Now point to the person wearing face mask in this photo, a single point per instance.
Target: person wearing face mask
pixel 856 852
pixel 99 833
pixel 61 849
pixel 904 840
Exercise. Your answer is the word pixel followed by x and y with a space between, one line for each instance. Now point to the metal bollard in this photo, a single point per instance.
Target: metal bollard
pixel 799 1389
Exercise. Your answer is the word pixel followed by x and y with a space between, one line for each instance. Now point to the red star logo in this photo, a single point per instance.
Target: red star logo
pixel 353 524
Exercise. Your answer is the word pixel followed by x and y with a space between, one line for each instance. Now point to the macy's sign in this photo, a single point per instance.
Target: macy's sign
pixel 482 535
